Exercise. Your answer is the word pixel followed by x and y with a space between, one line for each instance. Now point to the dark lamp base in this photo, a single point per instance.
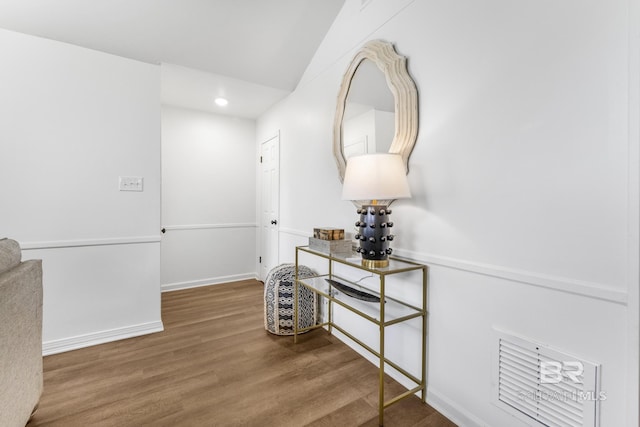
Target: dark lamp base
pixel 373 235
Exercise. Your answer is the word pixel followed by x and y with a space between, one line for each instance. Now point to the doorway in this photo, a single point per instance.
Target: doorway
pixel 269 204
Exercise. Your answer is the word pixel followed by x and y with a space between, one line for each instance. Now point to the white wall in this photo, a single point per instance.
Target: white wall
pixel 72 121
pixel 524 181
pixel 208 198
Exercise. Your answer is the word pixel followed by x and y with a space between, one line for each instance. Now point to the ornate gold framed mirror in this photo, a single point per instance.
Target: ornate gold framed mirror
pixel 377 108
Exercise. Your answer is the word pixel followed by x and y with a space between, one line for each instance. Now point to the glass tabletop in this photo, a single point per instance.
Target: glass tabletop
pixel 354 259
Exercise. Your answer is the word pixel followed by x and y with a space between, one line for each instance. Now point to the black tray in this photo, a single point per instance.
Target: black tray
pixel 354 293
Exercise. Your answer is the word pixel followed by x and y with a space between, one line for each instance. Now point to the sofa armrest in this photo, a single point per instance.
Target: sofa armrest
pixel 21 338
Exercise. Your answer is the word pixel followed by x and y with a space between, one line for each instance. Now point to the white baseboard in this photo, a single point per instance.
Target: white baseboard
pixel 207 282
pixel 88 340
pixel 451 410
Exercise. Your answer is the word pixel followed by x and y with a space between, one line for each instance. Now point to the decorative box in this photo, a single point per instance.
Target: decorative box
pixel 330 246
pixel 328 233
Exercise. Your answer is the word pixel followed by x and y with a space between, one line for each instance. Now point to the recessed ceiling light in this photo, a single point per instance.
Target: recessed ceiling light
pixel 221 101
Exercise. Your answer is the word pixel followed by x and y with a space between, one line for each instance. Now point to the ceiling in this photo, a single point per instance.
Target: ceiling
pixel 252 49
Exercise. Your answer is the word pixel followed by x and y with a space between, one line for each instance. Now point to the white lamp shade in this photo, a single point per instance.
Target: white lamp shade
pixel 375 177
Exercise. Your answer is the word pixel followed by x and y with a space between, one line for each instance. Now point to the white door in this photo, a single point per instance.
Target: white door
pixel 357 147
pixel 269 205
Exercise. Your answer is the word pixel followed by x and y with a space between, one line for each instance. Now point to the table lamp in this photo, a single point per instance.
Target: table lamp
pixel 371 178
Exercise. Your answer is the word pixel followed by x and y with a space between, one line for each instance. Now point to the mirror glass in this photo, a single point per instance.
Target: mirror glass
pixel 368 124
pixel 377 108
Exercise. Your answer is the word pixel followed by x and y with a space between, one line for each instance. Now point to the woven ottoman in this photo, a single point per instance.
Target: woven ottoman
pixel 278 300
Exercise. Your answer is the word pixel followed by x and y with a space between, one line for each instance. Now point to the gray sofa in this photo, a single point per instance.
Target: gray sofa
pixel 20 335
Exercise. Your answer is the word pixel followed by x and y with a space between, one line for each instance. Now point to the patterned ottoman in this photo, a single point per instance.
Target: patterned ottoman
pixel 278 300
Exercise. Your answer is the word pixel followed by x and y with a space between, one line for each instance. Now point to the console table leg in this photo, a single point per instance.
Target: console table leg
pixel 295 302
pixel 381 389
pixel 424 335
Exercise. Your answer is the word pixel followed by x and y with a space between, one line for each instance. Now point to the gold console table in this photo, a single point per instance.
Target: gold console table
pixel 387 312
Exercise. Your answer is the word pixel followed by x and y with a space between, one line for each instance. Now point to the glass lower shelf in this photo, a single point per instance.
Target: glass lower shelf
pixel 394 311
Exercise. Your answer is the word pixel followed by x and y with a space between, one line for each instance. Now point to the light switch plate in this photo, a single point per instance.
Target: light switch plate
pixel 131 183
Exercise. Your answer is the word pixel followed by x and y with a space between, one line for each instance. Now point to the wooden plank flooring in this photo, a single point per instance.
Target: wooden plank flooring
pixel 215 365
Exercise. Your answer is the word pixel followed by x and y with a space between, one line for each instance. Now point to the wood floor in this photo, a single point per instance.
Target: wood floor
pixel 215 365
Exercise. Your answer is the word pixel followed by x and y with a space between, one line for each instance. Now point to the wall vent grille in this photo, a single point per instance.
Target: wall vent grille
pixel 544 387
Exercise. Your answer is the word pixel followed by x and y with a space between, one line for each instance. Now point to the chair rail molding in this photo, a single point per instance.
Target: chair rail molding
pixel 561 284
pixel 294 232
pixel 210 226
pixel 555 283
pixel 106 241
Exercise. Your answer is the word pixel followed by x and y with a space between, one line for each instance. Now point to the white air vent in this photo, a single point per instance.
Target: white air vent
pixel 544 387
